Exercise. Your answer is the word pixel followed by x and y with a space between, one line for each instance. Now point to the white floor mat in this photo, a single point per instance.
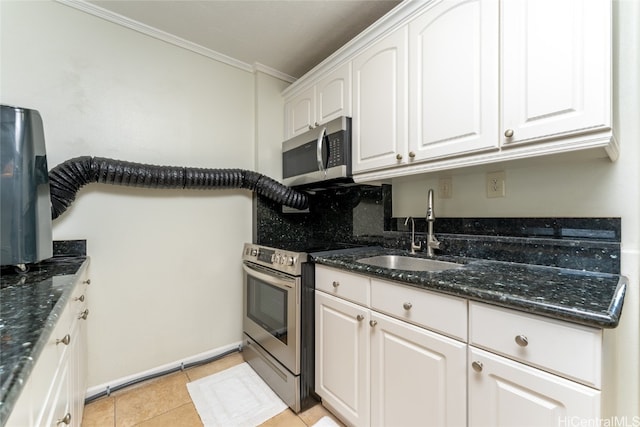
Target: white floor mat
pixel 325 422
pixel 235 397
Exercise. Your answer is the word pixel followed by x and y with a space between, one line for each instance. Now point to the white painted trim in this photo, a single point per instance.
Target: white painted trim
pixel 92 391
pixel 273 72
pixel 597 145
pixel 117 19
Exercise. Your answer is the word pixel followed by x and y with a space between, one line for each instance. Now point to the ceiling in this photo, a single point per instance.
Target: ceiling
pixel 289 36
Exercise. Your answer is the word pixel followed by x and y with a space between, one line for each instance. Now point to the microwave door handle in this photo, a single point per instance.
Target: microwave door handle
pixel 321 166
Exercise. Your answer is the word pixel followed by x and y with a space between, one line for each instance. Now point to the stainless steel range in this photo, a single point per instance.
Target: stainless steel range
pixel 278 321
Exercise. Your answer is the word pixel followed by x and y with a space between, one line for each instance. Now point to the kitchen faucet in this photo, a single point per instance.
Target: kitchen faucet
pixel 432 242
pixel 413 230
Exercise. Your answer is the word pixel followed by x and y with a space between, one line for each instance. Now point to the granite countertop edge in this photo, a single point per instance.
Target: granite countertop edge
pixel 452 282
pixel 10 395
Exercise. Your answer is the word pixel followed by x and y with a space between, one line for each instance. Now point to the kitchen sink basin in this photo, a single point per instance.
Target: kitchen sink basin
pixel 399 262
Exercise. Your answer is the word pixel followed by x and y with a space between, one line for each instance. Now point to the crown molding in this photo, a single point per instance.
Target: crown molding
pixel 123 21
pixel 273 72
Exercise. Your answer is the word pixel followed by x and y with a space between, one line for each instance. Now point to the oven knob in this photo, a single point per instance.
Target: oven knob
pixel 255 252
pixel 290 260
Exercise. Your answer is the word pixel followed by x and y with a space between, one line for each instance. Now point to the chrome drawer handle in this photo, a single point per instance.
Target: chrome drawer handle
pixel 336 284
pixel 372 323
pixel 407 306
pixel 87 282
pixel 84 314
pixel 65 340
pixel 508 133
pixel 359 317
pixel 80 298
pixel 65 420
pixel 522 341
pixel 477 366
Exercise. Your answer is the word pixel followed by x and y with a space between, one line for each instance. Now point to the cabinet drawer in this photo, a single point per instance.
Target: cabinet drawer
pixel 569 350
pixel 344 285
pixel 441 313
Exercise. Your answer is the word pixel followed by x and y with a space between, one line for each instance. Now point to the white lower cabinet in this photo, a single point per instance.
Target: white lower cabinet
pixel 503 392
pixel 342 358
pixel 417 376
pixel 395 355
pixel 373 369
pixel 535 371
pixel 54 393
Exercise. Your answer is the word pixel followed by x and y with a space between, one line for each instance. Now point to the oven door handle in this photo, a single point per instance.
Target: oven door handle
pixel 270 279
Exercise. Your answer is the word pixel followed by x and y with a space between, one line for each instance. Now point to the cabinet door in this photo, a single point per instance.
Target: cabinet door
pixel 379 104
pixel 507 393
pixel 333 95
pixel 453 79
pixel 556 68
pixel 417 377
pixel 300 113
pixel 342 357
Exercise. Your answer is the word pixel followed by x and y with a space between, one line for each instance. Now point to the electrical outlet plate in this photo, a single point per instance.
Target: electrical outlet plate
pixel 445 188
pixel 496 184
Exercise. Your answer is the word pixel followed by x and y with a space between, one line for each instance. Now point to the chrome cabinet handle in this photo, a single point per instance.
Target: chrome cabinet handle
pixel 65 420
pixel 84 314
pixel 87 282
pixel 80 298
pixel 508 133
pixel 412 154
pixel 399 156
pixel 65 340
pixel 407 306
pixel 522 340
pixel 477 366
pixel 359 317
pixel 336 284
pixel 372 323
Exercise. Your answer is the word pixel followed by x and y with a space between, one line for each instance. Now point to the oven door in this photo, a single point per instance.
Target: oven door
pixel 271 314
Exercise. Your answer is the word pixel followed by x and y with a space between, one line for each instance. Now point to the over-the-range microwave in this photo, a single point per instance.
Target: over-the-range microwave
pixel 321 155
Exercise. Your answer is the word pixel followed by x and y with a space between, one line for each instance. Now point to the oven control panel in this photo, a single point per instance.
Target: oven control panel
pixel 278 259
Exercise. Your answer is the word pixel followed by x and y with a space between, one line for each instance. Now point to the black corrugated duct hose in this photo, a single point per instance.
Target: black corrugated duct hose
pixel 67 178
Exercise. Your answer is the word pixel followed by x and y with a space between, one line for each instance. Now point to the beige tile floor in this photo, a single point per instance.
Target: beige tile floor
pixel 165 401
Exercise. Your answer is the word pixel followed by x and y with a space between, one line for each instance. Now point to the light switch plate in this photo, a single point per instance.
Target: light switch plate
pixel 496 184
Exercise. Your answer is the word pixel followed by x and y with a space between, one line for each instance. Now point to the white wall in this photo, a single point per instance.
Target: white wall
pixel 165 270
pixel 269 125
pixel 570 187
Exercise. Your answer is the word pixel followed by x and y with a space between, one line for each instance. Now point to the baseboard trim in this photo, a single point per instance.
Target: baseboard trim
pixel 94 391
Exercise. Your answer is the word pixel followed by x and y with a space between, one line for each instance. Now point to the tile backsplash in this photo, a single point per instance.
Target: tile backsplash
pixel 361 215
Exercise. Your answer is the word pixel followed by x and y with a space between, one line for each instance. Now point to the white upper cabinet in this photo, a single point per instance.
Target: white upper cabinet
pixel 453 79
pixel 329 98
pixel 379 104
pixel 556 69
pixel 445 84
pixel 300 113
pixel 333 95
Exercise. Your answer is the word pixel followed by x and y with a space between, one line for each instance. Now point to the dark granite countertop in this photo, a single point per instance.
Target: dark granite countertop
pixel 30 305
pixel 589 298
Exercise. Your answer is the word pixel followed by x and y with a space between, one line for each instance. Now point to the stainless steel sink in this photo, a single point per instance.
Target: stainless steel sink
pixel 399 262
